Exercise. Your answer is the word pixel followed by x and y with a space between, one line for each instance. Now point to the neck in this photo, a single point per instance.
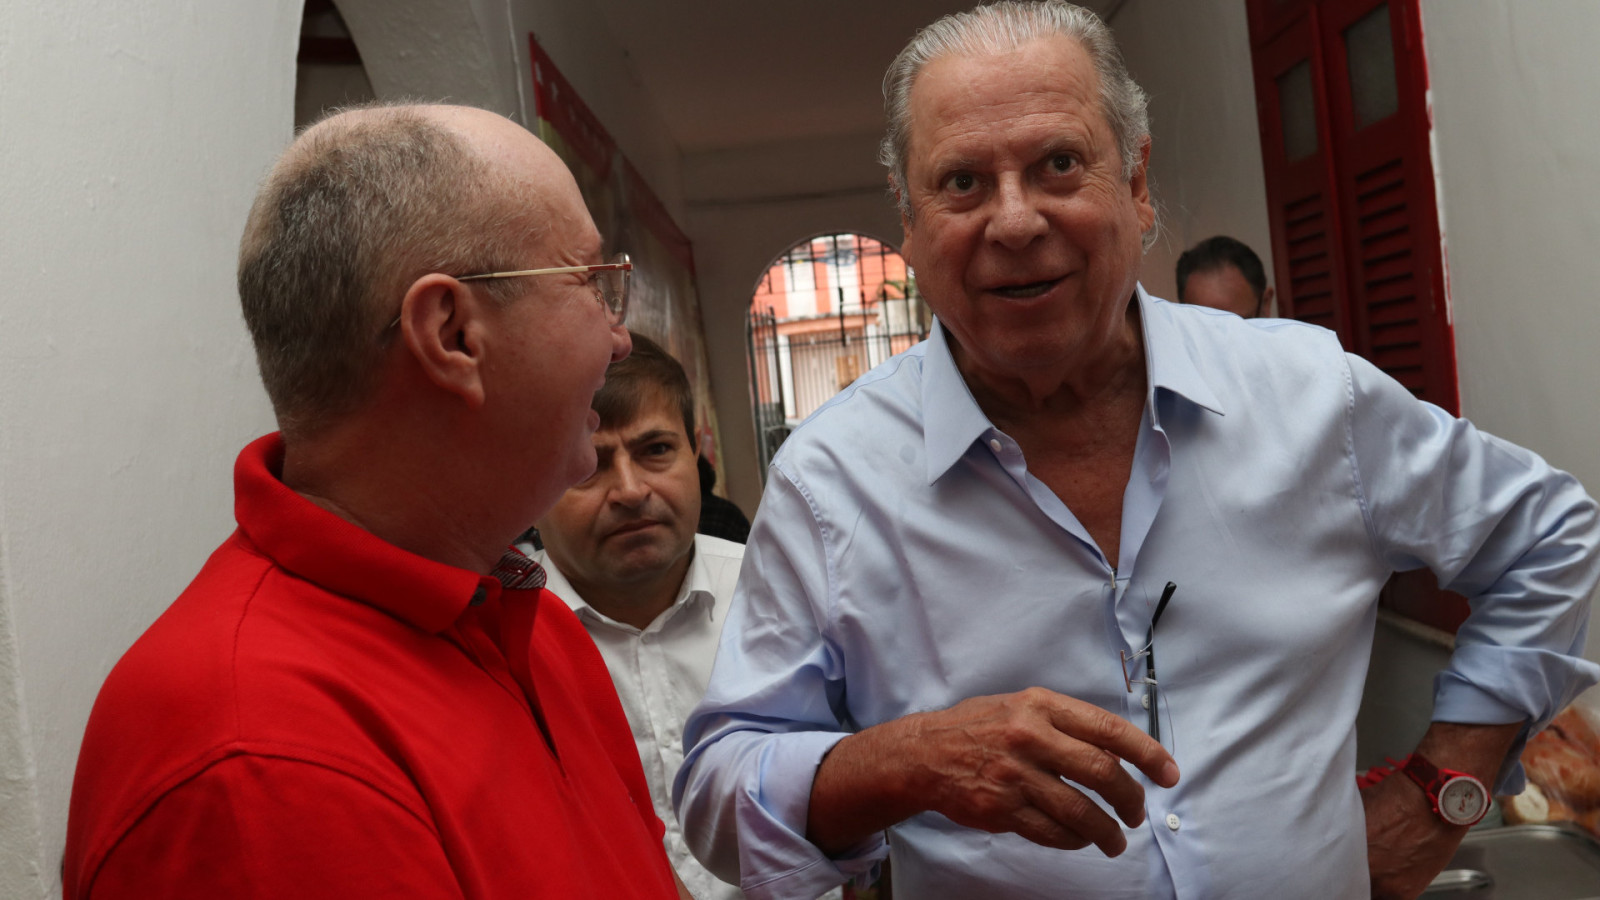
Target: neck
pixel 1098 374
pixel 638 602
pixel 404 498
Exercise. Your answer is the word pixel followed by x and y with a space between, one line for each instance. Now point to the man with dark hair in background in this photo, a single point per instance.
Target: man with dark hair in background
pixel 1224 274
pixel 363 694
pixel 621 549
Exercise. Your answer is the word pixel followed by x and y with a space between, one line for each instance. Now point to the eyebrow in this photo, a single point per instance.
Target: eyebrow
pixel 652 436
pixel 941 168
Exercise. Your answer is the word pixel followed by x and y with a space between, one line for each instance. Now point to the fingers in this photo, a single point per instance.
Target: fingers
pixel 1078 819
pixel 1101 772
pixel 1045 810
pixel 1086 745
pixel 1109 733
pixel 1004 763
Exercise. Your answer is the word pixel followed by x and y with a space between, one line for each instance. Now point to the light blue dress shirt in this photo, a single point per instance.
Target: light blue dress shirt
pixel 905 559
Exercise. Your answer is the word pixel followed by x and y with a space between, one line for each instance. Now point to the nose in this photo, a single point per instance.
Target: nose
pixel 621 342
pixel 629 489
pixel 1017 220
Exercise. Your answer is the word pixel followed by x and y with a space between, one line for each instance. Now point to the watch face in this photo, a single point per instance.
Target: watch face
pixel 1463 801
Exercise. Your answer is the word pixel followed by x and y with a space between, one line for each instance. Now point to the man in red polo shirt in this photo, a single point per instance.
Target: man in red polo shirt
pixel 362 694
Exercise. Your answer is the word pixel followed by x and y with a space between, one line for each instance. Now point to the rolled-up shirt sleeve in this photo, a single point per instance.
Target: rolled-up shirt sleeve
pixel 773 709
pixel 1497 524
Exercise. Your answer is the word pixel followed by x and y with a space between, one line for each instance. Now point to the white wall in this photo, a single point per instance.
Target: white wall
pixel 1193 58
pixel 577 39
pixel 476 52
pixel 131 139
pixel 1514 88
pixel 746 207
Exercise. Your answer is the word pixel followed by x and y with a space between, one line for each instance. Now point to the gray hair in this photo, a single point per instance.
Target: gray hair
pixel 362 204
pixel 1000 27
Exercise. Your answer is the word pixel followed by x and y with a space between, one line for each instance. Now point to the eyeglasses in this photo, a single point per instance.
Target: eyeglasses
pixel 610 281
pixel 1149 654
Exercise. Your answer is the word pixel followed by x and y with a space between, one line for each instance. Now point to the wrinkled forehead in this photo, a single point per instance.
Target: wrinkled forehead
pixel 987 82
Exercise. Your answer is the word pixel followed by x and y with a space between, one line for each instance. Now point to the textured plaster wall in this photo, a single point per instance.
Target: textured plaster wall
pixel 577 38
pixel 1193 59
pixel 746 207
pixel 131 139
pixel 1514 87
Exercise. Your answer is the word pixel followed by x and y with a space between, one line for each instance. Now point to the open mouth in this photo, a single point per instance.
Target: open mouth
pixel 1025 291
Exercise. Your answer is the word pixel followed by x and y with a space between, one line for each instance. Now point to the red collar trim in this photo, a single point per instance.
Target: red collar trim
pixel 339 556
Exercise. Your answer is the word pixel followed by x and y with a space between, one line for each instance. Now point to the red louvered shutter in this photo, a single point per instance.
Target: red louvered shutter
pixel 1377 105
pixel 1306 252
pixel 1341 95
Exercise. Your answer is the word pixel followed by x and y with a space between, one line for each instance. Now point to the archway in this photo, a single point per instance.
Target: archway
pixel 328 69
pixel 825 312
pixel 432 50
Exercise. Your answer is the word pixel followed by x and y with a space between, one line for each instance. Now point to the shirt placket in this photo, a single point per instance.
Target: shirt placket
pixel 1124 593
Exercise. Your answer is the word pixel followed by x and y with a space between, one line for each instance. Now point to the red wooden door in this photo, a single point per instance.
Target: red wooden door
pixel 1341 96
pixel 1380 137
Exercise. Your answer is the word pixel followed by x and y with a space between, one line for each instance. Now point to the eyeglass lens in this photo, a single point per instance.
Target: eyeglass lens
pixel 613 286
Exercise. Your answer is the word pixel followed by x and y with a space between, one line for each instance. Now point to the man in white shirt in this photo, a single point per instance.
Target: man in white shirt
pixel 621 550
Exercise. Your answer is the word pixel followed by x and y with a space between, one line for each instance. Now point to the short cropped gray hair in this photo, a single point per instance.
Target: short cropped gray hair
pixel 998 28
pixel 360 206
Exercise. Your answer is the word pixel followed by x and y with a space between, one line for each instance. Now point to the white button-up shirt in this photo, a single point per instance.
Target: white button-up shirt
pixel 660 674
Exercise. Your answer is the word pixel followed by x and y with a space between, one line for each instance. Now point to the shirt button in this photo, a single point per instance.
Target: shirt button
pixel 1173 822
pixel 1144 700
pixel 994 444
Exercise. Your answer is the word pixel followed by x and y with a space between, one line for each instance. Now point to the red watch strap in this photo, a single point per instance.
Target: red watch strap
pixel 1428 776
pixel 1432 779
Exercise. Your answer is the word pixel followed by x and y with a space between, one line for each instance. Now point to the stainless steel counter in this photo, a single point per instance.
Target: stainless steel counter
pixel 1522 862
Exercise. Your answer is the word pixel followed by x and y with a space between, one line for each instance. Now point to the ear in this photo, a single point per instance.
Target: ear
pixel 1139 185
pixel 442 324
pixel 1266 308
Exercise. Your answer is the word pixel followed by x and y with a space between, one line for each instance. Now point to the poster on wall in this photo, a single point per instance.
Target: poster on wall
pixel 663 302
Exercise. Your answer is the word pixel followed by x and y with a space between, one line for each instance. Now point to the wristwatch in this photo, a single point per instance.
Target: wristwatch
pixel 1457 797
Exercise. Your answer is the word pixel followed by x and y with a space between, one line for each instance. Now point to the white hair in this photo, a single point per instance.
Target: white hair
pixel 1002 27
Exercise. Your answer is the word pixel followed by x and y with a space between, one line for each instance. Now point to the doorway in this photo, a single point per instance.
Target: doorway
pixel 826 311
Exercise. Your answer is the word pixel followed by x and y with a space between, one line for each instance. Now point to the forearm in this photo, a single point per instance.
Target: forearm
pixel 1478 750
pixel 864 785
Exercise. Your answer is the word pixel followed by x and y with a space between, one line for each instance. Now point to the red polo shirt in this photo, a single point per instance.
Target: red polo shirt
pixel 322 714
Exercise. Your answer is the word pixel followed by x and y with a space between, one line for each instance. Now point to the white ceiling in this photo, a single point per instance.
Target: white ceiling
pixel 743 72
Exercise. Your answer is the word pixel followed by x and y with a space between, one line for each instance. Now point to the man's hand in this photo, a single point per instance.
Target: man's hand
pixel 993 763
pixel 1407 843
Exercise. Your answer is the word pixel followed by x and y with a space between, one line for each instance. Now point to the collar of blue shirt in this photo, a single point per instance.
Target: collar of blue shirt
pixel 953 419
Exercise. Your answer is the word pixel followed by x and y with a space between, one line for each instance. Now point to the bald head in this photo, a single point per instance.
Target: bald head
pixel 359 206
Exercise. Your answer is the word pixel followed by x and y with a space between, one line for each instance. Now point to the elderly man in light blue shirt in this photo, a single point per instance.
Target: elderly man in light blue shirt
pixel 965 566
